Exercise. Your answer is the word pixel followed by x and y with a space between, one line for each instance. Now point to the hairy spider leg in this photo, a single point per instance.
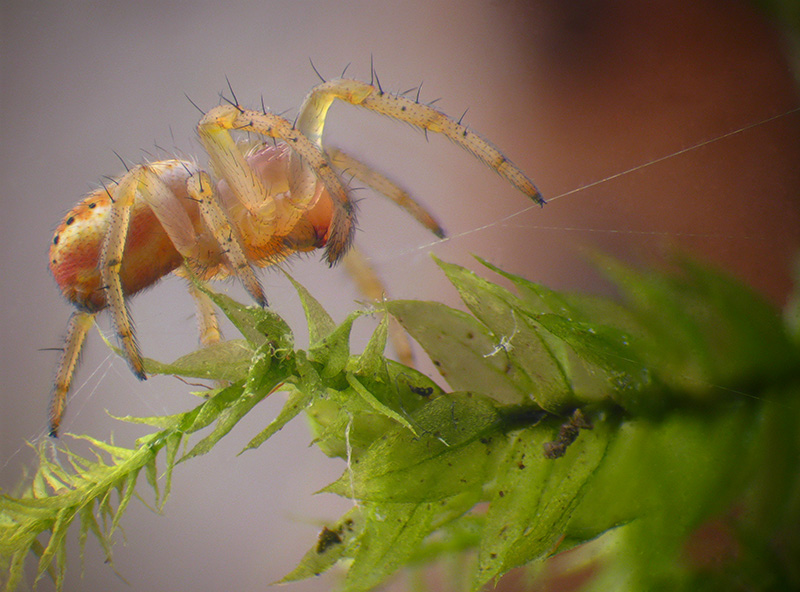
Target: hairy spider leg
pixel 201 189
pixel 384 186
pixel 311 122
pixel 111 264
pixel 207 323
pixel 79 324
pixel 145 182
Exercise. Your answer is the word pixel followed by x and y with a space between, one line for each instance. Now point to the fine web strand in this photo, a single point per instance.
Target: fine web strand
pixel 572 192
pixel 691 148
pixel 100 372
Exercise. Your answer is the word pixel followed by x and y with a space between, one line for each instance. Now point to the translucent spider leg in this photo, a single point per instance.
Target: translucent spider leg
pixel 357 265
pixel 311 122
pixel 370 285
pixel 230 164
pixel 207 323
pixel 79 324
pixel 382 185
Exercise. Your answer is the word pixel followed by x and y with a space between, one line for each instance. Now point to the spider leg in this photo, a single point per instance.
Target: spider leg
pixel 207 324
pixel 156 185
pixel 357 265
pixel 162 186
pixel 381 184
pixel 229 162
pixel 201 189
pixel 370 285
pixel 111 263
pixel 164 201
pixel 313 112
pixel 79 324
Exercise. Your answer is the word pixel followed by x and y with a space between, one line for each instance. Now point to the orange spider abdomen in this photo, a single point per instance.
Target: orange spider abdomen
pixel 76 249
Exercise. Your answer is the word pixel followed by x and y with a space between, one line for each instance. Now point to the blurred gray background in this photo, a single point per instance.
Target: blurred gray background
pixel 572 92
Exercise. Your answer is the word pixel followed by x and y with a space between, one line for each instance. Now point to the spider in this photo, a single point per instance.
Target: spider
pixel 271 200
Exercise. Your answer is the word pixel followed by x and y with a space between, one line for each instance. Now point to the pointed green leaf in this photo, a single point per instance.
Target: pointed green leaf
pixel 373 402
pixel 534 497
pixel 56 543
pixel 458 437
pixel 539 299
pixel 127 488
pixel 333 351
pixel 412 387
pixel 334 544
pixel 296 403
pixel 610 349
pixel 372 360
pixel 152 477
pixel 173 442
pixel 463 350
pixel 226 360
pixel 535 367
pixel 89 522
pixel 256 324
pixel 156 421
pixel 258 375
pixel 320 323
pixel 204 414
pixel 389 537
pixel 228 418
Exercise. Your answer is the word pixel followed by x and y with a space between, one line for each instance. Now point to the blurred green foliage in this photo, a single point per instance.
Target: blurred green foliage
pixel 622 431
